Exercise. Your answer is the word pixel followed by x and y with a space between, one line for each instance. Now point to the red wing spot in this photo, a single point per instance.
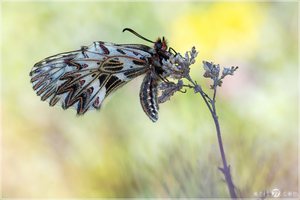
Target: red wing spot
pixel 82 82
pixel 68 62
pixel 90 90
pixel 96 103
pixel 84 66
pixel 103 47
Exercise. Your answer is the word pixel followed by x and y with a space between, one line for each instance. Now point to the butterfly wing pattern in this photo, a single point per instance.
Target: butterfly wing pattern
pixel 83 78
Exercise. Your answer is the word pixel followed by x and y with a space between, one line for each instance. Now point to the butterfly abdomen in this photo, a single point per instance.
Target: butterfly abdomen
pixel 148 96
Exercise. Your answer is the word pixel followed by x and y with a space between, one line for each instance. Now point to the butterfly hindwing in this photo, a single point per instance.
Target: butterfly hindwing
pixel 83 78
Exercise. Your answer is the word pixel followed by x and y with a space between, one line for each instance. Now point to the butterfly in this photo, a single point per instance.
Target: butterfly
pixel 83 78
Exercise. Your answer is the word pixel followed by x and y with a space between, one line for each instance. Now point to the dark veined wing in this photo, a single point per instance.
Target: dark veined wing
pixel 83 78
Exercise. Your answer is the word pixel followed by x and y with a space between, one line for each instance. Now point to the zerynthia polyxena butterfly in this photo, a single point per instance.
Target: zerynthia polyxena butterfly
pixel 83 78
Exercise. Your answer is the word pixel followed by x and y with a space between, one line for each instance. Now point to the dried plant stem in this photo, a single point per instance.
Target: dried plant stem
pixel 211 104
pixel 226 168
pixel 178 67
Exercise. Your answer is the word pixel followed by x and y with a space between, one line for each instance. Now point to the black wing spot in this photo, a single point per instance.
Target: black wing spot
pixel 111 81
pixel 115 69
pixel 134 72
pixel 114 60
pixel 112 84
pixel 102 79
pixel 137 62
pixel 121 51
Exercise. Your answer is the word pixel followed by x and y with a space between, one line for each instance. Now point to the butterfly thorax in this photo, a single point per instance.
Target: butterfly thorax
pixel 160 53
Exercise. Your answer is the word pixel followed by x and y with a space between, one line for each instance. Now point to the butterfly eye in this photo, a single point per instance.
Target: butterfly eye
pixel 158 44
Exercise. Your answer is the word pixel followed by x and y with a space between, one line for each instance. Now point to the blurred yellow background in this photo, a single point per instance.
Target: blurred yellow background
pixel 118 151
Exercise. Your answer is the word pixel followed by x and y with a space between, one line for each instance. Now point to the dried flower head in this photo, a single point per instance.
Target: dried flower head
pixel 177 66
pixel 168 89
pixel 228 71
pixel 211 70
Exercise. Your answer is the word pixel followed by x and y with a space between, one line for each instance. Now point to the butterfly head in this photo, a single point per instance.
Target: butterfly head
pixel 161 44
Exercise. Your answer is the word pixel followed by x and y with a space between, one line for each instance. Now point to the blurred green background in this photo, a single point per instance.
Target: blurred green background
pixel 118 151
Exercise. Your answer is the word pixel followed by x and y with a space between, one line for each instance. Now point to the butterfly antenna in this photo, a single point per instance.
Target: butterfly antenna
pixel 138 35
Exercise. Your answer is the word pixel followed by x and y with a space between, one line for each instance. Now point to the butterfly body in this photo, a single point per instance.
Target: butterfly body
pixel 84 78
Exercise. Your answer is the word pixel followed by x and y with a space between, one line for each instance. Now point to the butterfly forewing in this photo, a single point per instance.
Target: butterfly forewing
pixel 83 78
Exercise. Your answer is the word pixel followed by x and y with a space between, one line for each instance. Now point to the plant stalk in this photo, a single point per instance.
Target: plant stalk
pixel 210 103
pixel 226 168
